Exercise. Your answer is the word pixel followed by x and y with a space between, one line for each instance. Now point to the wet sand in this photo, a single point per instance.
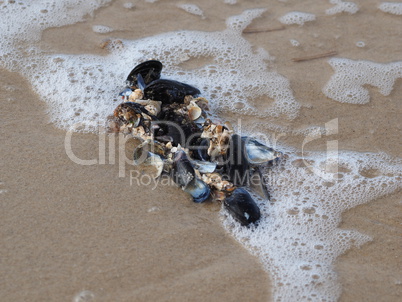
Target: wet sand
pixel 66 228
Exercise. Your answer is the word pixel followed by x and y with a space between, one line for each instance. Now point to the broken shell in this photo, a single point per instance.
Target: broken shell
pixel 194 112
pixel 204 166
pixel 137 94
pixel 142 156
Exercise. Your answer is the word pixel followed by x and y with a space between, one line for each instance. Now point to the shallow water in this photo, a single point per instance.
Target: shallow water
pixel 265 84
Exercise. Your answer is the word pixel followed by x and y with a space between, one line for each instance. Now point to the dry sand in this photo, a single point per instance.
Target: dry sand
pixel 66 228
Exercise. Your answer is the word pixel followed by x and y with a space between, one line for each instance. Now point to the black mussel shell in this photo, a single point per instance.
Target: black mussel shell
pixel 168 91
pixel 200 149
pixel 242 207
pixel 184 175
pixel 183 171
pixel 149 70
pixel 177 127
pixel 237 166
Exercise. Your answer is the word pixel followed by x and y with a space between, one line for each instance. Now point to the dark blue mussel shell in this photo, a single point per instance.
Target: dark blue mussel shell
pixel 149 71
pixel 242 207
pixel 184 175
pixel 169 91
pixel 237 165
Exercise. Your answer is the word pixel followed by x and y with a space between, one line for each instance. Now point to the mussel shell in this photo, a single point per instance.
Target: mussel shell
pixel 242 207
pixel 198 189
pixel 204 166
pixel 149 70
pixel 200 149
pixel 237 166
pixel 258 153
pixel 142 156
pixel 169 91
pixel 183 171
pixel 177 127
pixel 184 175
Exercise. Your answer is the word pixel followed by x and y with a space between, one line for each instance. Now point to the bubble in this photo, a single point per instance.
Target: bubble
pixel 360 44
pixel 296 18
pixel 294 42
pixel 84 296
pixel 394 8
pixel 342 7
pixel 347 84
pixel 192 9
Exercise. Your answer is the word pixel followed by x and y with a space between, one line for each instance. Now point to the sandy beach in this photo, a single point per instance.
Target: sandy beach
pixel 69 229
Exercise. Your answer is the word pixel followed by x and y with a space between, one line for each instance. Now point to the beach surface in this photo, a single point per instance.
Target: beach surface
pixel 72 232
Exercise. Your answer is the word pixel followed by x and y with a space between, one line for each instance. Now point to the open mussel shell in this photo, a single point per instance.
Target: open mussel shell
pixel 242 207
pixel 183 174
pixel 204 166
pixel 149 71
pixel 198 189
pixel 142 156
pixel 169 91
pixel 258 153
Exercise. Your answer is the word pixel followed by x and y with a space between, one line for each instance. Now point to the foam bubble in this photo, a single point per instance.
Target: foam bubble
pixel 346 85
pixel 24 21
pixel 297 18
pixel 102 29
pixel 192 9
pixel 360 44
pixel 84 296
pixel 294 42
pixel 298 239
pixel 129 5
pixel 342 7
pixel 394 8
pixel 81 88
pixel 232 2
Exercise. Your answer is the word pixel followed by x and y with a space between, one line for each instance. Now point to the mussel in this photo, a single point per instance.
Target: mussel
pixel 184 175
pixel 242 207
pixel 143 156
pixel 176 127
pixel 168 91
pixel 149 71
pixel 258 153
pixel 237 166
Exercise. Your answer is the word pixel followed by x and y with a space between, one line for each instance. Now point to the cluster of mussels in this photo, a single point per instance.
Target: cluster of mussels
pixel 206 159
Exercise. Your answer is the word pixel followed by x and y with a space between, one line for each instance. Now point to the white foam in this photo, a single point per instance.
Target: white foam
pixel 296 18
pixel 394 8
pixel 294 42
pixel 81 88
pixel 298 239
pixel 231 2
pixel 24 21
pixel 347 84
pixel 360 44
pixel 102 29
pixel 192 9
pixel 129 5
pixel 342 7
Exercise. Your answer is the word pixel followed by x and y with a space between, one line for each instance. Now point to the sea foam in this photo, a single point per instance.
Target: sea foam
pixel 81 88
pixel 347 84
